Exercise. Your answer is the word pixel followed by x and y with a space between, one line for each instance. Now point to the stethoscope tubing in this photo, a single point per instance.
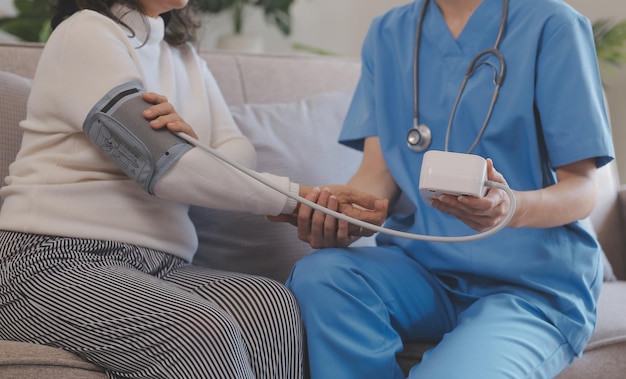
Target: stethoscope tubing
pixel 421 130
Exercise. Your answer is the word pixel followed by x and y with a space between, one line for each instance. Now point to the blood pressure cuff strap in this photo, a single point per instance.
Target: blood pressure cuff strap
pixel 117 127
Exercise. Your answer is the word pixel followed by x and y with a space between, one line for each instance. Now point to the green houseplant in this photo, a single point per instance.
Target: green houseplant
pixel 276 11
pixel 610 39
pixel 32 21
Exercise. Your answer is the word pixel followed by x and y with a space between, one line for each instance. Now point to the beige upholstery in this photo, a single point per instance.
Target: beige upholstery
pixel 278 78
pixel 20 361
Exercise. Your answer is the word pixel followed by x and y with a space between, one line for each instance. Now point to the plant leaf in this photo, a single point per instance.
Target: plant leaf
pixel 610 40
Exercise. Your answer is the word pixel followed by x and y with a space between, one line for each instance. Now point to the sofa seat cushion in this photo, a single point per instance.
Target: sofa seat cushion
pixel 611 327
pixel 603 357
pixel 27 360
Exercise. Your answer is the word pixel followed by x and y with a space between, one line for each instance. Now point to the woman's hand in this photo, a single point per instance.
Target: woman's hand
pixel 321 230
pixel 480 214
pixel 162 114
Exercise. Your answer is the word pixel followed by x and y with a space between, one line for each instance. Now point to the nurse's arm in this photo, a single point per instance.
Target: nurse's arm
pixel 572 198
pixel 373 175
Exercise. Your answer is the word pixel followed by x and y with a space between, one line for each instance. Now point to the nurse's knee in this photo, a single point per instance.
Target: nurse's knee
pixel 321 269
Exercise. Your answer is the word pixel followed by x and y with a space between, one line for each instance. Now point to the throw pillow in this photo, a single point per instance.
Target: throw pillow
pixel 297 140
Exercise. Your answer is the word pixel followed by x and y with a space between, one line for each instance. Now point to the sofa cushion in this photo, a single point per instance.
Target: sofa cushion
pixel 26 360
pixel 14 92
pixel 605 352
pixel 297 140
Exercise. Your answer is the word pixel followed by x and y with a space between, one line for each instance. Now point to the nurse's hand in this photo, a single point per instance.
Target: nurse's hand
pixel 321 230
pixel 480 214
pixel 162 114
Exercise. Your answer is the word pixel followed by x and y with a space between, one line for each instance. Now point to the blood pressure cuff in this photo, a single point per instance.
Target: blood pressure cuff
pixel 117 127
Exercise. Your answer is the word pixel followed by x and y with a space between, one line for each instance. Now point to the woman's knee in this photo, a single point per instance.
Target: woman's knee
pixel 264 294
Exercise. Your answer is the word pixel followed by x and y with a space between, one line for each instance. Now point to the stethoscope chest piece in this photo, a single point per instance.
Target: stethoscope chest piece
pixel 418 138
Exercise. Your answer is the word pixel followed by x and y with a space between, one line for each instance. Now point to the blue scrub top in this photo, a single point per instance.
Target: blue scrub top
pixel 551 64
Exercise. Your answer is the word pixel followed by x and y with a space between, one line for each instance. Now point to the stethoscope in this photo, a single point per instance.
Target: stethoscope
pixel 419 136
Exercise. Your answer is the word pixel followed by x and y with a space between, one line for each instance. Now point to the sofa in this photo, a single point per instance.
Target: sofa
pixel 291 106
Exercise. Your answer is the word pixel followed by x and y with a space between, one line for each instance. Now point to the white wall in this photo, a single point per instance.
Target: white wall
pixel 340 25
pixel 337 26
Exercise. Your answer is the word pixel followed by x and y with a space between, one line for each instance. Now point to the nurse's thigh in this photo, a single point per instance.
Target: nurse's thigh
pixel 360 304
pixel 499 336
pixel 377 279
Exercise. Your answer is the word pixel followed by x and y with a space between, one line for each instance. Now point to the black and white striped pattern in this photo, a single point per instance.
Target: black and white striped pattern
pixel 141 313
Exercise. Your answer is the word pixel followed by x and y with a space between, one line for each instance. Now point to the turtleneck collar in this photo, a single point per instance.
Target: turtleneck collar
pixel 147 30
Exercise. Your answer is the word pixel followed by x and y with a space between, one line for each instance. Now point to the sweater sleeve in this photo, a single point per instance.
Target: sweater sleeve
pixel 86 56
pixel 90 55
pixel 203 180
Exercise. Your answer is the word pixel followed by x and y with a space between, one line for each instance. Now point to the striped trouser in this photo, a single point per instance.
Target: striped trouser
pixel 141 313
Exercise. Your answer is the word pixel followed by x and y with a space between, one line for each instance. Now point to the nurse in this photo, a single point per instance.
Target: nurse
pixel 520 304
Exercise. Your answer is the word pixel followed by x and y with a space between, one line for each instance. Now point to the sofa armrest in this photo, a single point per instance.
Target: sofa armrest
pixel 622 202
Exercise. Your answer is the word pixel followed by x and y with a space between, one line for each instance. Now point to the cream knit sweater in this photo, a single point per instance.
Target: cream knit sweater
pixel 62 185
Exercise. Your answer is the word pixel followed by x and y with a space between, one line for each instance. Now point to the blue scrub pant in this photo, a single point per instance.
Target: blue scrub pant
pixel 359 304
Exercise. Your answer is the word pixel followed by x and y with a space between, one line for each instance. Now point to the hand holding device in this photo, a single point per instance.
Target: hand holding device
pixel 452 174
pixel 465 179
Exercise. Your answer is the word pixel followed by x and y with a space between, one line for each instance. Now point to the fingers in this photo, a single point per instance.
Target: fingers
pixel 304 215
pixel 493 174
pixel 322 227
pixel 154 98
pixel 327 231
pixel 319 229
pixel 362 206
pixel 161 107
pixel 374 216
pixel 365 200
pixel 335 231
pixel 478 217
pixel 162 114
pixel 479 213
